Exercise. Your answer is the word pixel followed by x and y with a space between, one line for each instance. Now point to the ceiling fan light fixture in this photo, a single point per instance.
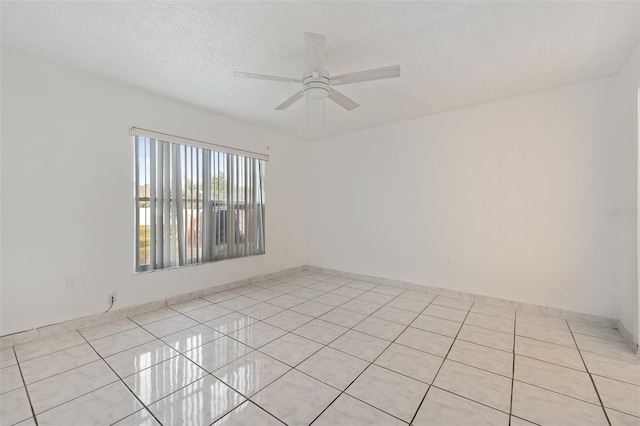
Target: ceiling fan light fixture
pixel 316 88
pixel 316 93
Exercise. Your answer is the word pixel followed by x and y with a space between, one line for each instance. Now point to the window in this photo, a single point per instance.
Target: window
pixel 193 204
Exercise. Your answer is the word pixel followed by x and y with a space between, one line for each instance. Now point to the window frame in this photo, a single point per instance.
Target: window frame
pixel 229 216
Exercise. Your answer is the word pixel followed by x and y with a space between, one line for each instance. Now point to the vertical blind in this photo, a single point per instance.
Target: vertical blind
pixel 195 205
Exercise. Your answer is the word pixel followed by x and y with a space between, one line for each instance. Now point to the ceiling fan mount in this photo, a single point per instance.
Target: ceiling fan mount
pixel 316 83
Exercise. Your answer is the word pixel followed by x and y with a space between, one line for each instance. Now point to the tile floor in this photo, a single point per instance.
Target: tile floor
pixel 310 348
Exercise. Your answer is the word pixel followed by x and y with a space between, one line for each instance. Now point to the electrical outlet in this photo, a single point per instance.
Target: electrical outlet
pixel 449 263
pixel 112 298
pixel 72 281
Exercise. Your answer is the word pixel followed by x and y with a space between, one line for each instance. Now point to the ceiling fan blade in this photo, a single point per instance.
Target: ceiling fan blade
pixel 315 51
pixel 367 75
pixel 265 77
pixel 342 100
pixel 292 100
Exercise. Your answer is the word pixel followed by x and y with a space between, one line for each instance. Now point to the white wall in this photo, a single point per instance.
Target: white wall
pixel 627 279
pixel 513 192
pixel 67 187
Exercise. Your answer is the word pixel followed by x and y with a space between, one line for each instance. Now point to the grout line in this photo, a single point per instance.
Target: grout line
pixel 549 362
pixel 590 376
pixel 327 345
pixel 373 361
pixel 556 392
pixel 440 368
pixel 513 369
pixel 52 353
pixel 127 386
pixel 472 400
pixel 26 389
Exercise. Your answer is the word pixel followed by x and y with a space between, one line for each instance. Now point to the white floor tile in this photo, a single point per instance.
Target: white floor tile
pixel 252 372
pixel 408 304
pixel 391 392
pixel 551 335
pixel 162 379
pixel 258 334
pixel 374 297
pixel 10 379
pixel 57 362
pixel 410 362
pixel 444 408
pixel 347 410
pixel 361 307
pixel 103 330
pixel 418 295
pixel 220 296
pixel 543 407
pixel 320 331
pixel 592 330
pixel 189 305
pixel 248 414
pixel 140 357
pixel 139 418
pixel 333 367
pixel 360 345
pixel 557 378
pixel 191 338
pixel 483 357
pixel 312 308
pixel 7 357
pixel 230 323
pixel 153 316
pixel 619 396
pixel 296 398
pixel 612 368
pixel 504 325
pixel 71 384
pixel 200 403
pixel 291 349
pixel 494 311
pixel 437 325
pixel 486 337
pixel 452 302
pixel 618 350
pixel 262 311
pixel 38 348
pixel 435 344
pixel 171 325
pixel 343 317
pixel 621 419
pixel 445 313
pixel 122 341
pixel 102 406
pixel 14 406
pixel 213 355
pixel 396 315
pixel 475 384
pixel 288 320
pixel 208 313
pixel 380 328
pixel 550 352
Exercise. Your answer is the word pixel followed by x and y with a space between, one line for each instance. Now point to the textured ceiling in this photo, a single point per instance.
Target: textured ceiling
pixel 452 54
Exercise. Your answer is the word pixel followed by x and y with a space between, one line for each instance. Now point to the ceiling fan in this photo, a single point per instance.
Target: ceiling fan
pixel 317 83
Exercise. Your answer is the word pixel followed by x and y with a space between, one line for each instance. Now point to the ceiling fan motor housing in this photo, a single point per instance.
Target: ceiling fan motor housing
pixel 316 87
